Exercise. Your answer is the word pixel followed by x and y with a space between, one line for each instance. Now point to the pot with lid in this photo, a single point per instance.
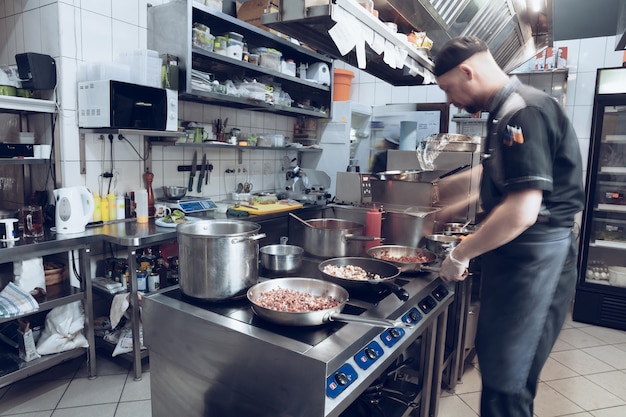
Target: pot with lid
pixel 218 259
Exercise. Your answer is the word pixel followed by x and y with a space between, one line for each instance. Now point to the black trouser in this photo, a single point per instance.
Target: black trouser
pixel 500 400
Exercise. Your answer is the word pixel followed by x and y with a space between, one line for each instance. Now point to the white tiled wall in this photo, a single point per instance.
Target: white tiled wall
pixel 76 31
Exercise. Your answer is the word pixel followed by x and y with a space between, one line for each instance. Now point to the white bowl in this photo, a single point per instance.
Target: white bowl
pixel 617 276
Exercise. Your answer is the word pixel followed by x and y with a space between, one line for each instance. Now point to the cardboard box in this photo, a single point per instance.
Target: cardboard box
pixel 252 10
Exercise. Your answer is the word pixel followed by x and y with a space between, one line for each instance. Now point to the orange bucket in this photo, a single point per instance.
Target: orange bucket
pixel 342 82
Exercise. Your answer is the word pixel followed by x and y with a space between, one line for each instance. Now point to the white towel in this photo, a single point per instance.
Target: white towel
pixel 14 302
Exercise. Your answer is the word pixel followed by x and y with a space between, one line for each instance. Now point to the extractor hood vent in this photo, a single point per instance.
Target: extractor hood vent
pixel 514 34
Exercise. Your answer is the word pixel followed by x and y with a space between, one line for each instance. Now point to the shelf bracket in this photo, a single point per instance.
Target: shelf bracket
pixel 239 156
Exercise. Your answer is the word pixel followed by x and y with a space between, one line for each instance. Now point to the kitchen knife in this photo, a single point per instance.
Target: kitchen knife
pixel 203 168
pixel 194 161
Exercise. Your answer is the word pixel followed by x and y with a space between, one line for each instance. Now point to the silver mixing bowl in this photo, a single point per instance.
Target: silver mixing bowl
pixel 173 192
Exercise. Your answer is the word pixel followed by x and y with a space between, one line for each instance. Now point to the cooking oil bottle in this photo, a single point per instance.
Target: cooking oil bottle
pixel 97 207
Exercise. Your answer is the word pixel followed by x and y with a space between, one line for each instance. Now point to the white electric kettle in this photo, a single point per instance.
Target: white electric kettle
pixel 74 208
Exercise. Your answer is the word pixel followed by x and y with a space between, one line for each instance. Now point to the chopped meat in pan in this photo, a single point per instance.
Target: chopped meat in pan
pixel 294 301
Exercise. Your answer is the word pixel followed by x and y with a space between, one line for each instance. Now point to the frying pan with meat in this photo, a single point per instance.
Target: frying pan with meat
pixel 313 287
pixel 407 258
pixel 373 267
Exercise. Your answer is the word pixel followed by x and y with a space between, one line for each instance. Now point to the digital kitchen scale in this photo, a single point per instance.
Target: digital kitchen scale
pixel 191 204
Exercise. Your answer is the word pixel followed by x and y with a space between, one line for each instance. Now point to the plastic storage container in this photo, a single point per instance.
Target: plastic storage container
pixel 288 67
pixel 342 84
pixel 220 45
pixel 234 49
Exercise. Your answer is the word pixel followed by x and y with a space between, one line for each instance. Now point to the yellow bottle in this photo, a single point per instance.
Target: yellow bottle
pixel 104 209
pixel 112 206
pixel 97 216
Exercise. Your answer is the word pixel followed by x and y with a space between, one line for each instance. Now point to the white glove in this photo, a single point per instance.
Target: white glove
pixel 452 269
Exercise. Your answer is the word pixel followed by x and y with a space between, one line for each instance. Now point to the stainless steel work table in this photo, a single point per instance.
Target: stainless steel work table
pixel 133 236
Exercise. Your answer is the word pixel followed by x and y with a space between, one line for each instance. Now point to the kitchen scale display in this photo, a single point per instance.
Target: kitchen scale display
pixel 192 205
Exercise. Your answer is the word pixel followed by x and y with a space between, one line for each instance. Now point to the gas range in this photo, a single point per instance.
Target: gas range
pixel 248 366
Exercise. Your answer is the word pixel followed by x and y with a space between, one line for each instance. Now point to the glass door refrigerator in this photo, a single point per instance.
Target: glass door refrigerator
pixel 601 289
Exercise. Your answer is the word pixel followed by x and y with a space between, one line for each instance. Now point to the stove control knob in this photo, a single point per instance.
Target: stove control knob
pixel 342 378
pixel 370 353
pixel 395 333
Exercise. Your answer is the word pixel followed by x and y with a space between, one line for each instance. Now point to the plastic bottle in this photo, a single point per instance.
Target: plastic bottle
pixel 104 209
pixel 141 199
pixel 97 213
pixel 373 226
pixel 127 206
pixel 112 206
pixel 121 207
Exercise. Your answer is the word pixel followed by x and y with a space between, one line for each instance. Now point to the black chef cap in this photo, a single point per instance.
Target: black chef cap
pixel 455 51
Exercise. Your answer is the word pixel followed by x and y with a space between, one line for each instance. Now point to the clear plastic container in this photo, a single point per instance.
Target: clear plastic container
pixel 141 199
pixel 253 59
pixel 220 45
pixel 269 60
pixel 234 49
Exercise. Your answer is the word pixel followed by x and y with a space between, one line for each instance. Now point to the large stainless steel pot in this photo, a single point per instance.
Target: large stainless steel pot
pixel 329 238
pixel 219 259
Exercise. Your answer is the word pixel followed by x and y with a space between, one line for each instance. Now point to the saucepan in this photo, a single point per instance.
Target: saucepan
pixel 281 257
pixel 258 295
pixel 407 258
pixel 379 273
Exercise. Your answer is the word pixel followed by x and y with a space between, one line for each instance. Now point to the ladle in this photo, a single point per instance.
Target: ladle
pixel 304 222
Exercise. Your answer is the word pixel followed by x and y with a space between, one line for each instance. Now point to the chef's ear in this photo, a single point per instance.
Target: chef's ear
pixel 466 71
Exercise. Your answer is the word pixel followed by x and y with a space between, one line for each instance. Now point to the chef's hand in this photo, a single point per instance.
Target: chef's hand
pixel 453 269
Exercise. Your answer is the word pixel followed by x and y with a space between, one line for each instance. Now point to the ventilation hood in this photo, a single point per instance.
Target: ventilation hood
pixel 346 31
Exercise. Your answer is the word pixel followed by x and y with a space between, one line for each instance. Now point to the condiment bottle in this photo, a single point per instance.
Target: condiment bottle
pixel 121 207
pixel 142 206
pixel 97 210
pixel 373 226
pixel 112 206
pixel 104 209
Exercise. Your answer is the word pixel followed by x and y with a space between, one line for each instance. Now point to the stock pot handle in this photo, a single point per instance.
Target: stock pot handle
pixel 351 236
pixel 246 238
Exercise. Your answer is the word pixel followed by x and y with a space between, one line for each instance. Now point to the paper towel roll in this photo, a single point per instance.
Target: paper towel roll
pixel 408 135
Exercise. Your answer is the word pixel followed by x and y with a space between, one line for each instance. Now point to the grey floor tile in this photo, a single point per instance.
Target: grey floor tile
pixel 585 393
pixel 101 410
pixel 102 390
pixel 136 390
pixel 610 412
pixel 611 336
pixel 608 354
pixel 134 409
pixel 47 413
pixel 555 370
pixel 454 406
pixel 551 403
pixel 581 362
pixel 579 339
pixel 613 382
pixel 65 370
pixel 28 396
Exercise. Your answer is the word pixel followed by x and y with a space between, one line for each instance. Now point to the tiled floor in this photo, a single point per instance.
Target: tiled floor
pixel 584 377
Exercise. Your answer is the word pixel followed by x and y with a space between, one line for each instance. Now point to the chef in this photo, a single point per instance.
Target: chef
pixel 531 190
pixel 391 140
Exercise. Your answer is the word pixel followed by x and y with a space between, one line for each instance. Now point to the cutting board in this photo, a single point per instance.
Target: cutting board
pixel 271 208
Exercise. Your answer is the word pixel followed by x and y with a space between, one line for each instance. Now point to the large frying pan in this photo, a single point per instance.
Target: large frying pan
pixel 397 251
pixel 314 287
pixel 386 270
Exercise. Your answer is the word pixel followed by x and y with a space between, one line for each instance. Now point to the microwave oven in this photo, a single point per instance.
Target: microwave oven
pixel 120 105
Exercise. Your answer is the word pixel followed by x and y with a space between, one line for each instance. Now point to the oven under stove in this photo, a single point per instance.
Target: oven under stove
pixel 218 358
